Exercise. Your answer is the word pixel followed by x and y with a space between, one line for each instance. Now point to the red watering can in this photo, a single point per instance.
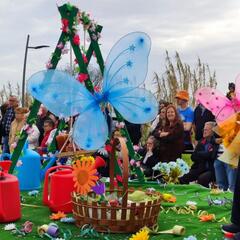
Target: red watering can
pixel 5 164
pixel 10 209
pixel 61 184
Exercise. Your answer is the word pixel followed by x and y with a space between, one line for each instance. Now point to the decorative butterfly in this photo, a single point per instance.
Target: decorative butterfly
pixel 125 70
pixel 216 102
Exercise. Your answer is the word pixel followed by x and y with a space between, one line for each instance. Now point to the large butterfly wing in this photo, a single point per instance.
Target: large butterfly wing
pixel 215 102
pixel 59 92
pixel 136 105
pixel 90 130
pixel 237 87
pixel 127 62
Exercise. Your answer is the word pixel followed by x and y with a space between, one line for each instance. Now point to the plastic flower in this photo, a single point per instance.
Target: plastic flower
pixel 169 197
pixel 84 176
pixel 82 77
pixel 99 188
pixel 190 238
pixel 89 159
pixel 65 23
pixel 207 217
pixel 60 45
pixel 84 58
pixel 76 39
pixel 172 165
pixel 183 166
pixel 65 51
pixel 49 65
pixel 10 227
pixel 57 216
pixel 143 234
pixel 27 227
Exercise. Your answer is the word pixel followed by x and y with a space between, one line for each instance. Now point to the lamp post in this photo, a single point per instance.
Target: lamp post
pixel 24 66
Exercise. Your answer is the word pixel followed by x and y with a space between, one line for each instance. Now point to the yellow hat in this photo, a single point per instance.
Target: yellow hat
pixel 183 94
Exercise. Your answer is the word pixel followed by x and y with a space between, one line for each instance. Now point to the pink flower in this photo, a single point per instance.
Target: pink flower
pixel 82 77
pixel 132 162
pixel 96 88
pixel 138 164
pixel 27 227
pixel 65 51
pixel 60 45
pixel 19 163
pixel 76 39
pixel 120 124
pixel 14 145
pixel 49 65
pixel 29 131
pixel 136 148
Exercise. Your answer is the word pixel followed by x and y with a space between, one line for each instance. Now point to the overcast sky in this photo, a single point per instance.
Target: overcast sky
pixel 208 29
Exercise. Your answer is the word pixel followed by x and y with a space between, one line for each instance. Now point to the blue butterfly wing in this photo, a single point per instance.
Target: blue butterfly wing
pixel 126 69
pixel 136 105
pixel 59 92
pixel 90 130
pixel 127 62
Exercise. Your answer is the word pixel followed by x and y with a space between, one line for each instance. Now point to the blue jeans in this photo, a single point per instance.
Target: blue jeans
pixel 5 146
pixel 225 175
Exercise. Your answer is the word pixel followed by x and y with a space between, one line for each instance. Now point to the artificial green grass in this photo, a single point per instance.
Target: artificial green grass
pixel 202 230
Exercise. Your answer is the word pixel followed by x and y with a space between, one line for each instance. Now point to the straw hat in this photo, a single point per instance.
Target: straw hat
pixel 183 94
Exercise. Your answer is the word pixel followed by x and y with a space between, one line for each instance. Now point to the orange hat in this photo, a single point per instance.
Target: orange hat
pixel 183 94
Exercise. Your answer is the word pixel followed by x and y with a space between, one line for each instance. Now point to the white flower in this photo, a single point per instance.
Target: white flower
pixel 156 167
pixel 172 165
pixel 19 163
pixel 191 203
pixel 103 152
pixel 10 227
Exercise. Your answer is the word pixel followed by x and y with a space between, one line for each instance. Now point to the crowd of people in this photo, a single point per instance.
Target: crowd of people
pixel 176 130
pixel 181 130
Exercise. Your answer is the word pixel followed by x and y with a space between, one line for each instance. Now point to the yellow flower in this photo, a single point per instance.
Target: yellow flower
pixel 143 234
pixel 84 175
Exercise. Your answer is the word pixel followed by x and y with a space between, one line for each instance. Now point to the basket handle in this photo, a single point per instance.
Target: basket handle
pixel 125 158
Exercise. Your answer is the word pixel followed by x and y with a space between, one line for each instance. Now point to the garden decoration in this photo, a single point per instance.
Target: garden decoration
pixel 10 209
pixel 54 198
pixel 228 118
pixel 71 17
pixel 29 171
pixel 125 70
pixel 170 172
pixel 118 210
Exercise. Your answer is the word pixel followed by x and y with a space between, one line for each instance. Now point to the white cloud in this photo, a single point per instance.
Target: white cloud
pixel 208 29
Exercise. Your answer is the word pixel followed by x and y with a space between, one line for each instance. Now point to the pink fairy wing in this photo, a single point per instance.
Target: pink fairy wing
pixel 212 99
pixel 237 87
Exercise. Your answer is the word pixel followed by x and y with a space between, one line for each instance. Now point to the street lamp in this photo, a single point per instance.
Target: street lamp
pixel 24 65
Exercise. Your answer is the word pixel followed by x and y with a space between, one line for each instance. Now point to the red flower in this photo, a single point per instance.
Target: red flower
pixel 108 148
pixel 65 23
pixel 82 77
pixel 119 178
pixel 76 40
pixel 85 58
pixel 75 61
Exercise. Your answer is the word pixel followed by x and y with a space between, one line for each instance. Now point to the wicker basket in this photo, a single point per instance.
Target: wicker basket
pixel 122 218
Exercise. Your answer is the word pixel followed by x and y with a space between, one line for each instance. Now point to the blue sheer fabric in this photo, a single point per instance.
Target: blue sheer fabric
pixel 125 69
